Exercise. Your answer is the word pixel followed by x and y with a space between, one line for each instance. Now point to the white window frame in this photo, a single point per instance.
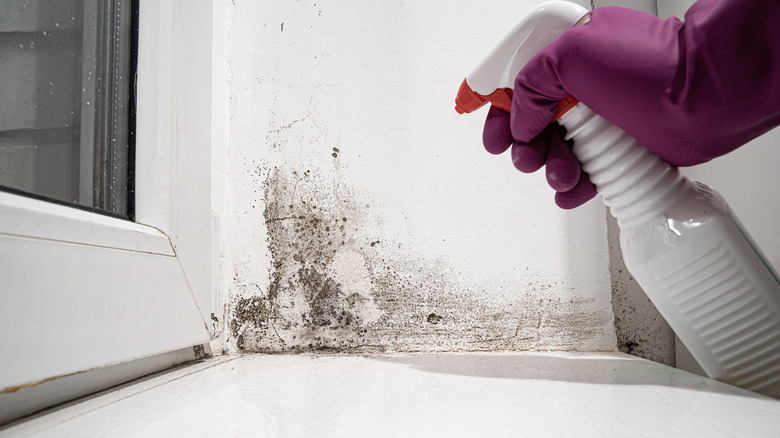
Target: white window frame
pixel 81 291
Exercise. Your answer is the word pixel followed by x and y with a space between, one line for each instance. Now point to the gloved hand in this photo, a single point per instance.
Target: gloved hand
pixel 688 91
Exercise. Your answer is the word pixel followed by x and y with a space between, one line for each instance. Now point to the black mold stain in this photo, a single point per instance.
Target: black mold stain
pixel 433 318
pixel 306 308
pixel 199 352
pixel 251 313
pixel 628 347
pixel 640 329
pixel 408 302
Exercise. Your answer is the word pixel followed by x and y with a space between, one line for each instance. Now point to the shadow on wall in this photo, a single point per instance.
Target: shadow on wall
pixel 573 367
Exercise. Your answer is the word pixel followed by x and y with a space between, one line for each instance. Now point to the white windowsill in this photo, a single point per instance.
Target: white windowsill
pixel 453 395
pixel 33 218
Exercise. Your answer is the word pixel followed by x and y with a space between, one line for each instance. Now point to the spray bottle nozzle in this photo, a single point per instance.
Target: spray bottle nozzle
pixel 469 100
pixel 494 77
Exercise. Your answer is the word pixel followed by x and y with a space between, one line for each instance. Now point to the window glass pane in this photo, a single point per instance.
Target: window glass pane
pixel 65 75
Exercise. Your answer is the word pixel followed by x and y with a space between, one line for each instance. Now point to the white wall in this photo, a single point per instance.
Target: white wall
pixel 363 211
pixel 649 6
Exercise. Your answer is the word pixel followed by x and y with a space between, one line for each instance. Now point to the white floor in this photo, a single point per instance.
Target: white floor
pixel 448 395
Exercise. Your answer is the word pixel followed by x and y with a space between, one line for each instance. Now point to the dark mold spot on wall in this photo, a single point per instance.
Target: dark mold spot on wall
pixel 338 282
pixel 319 293
pixel 639 327
pixel 200 352
pixel 629 346
pixel 434 318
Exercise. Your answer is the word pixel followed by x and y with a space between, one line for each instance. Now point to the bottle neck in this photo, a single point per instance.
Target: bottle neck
pixel 635 183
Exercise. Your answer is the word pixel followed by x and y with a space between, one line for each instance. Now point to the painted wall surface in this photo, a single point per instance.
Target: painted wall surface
pixel 363 212
pixel 649 6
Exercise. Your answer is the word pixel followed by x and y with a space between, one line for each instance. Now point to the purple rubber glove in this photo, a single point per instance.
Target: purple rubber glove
pixel 689 91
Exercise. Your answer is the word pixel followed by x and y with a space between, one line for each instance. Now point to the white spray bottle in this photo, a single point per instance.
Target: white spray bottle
pixel 680 239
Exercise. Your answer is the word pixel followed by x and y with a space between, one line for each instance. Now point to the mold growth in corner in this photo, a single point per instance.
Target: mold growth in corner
pixel 639 327
pixel 319 293
pixel 338 283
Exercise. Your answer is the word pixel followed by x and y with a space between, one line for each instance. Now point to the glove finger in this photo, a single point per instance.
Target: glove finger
pixel 563 168
pixel 496 136
pixel 530 157
pixel 583 192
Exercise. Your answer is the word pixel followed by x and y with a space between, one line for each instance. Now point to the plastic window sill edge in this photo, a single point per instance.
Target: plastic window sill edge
pixel 25 217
